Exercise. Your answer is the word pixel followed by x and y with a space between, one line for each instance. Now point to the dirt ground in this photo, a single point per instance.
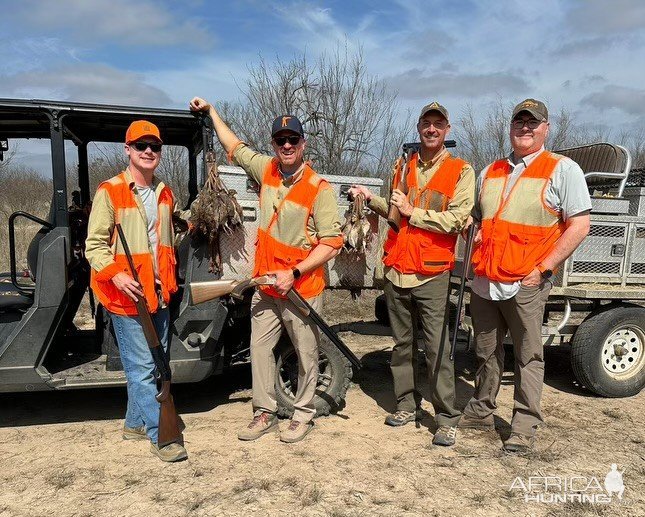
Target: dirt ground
pixel 61 453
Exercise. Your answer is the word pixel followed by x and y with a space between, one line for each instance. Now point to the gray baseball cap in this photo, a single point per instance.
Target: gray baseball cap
pixel 534 107
pixel 434 106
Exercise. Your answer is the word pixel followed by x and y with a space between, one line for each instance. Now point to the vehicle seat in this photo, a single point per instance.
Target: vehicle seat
pixel 10 297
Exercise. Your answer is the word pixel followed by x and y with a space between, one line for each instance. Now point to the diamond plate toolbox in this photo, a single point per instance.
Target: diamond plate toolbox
pixel 347 270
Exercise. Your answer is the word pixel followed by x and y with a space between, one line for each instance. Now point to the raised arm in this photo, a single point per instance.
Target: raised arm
pixel 225 135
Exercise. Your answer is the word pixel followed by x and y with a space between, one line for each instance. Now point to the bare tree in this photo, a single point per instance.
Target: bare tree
pixel 350 119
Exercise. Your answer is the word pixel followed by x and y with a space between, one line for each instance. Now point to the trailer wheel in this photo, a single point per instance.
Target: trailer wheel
pixel 608 351
pixel 335 374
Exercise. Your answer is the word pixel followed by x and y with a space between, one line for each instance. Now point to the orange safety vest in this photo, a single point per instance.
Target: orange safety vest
pixel 520 231
pixel 416 250
pixel 127 213
pixel 273 252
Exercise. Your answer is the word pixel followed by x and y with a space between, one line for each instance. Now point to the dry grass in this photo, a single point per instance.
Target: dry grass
pixel 311 496
pixel 62 479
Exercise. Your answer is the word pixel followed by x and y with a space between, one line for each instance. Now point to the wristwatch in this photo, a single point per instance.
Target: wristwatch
pixel 296 273
pixel 546 273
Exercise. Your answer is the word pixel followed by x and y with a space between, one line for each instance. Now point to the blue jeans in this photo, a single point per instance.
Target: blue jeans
pixel 143 408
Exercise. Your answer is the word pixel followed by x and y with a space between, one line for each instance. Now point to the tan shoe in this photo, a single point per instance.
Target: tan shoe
pixel 472 422
pixel 134 433
pixel 445 436
pixel 261 424
pixel 296 431
pixel 171 452
pixel 518 443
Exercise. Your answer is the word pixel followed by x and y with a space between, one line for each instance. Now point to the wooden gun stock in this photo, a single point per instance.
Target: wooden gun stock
pixel 394 216
pixel 204 291
pixel 170 424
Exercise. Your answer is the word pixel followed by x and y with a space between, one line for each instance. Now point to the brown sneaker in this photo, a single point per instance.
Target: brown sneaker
pixel 473 422
pixel 134 433
pixel 445 436
pixel 399 418
pixel 518 443
pixel 262 423
pixel 296 431
pixel 171 452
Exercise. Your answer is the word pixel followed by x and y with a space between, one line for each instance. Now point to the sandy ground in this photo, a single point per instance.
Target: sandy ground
pixel 62 454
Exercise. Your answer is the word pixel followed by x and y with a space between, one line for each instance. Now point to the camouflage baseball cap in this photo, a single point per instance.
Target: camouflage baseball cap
pixel 534 107
pixel 434 106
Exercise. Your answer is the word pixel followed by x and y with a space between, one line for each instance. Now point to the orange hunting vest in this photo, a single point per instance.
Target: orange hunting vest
pixel 415 250
pixel 280 248
pixel 126 212
pixel 520 231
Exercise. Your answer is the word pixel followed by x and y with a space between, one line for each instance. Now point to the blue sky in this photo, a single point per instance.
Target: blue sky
pixel 587 56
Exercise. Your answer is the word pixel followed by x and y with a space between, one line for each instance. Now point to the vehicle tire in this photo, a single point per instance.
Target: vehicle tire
pixel 333 380
pixel 608 351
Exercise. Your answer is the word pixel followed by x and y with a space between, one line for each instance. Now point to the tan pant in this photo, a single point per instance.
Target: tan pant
pixel 269 316
pixel 427 303
pixel 522 315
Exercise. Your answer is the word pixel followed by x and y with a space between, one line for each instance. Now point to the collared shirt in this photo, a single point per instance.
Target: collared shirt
pixel 324 220
pixel 566 193
pixel 451 220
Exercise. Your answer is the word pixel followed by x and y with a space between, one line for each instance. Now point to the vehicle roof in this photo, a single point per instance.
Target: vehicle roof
pixel 86 122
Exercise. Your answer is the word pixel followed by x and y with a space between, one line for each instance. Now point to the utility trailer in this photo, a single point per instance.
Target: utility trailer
pixel 40 346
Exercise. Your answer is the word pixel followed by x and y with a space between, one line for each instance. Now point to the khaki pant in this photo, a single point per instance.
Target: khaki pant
pixel 427 303
pixel 522 315
pixel 269 316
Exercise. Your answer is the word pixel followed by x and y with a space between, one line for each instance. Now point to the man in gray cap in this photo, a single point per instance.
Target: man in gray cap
pixel 532 212
pixel 434 195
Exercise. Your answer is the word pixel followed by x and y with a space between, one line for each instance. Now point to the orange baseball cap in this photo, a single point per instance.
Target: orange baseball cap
pixel 140 128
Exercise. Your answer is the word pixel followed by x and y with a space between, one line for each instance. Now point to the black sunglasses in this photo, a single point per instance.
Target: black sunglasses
pixel 281 140
pixel 142 146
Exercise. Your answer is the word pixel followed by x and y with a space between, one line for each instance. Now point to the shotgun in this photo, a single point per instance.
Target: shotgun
pixel 204 291
pixel 170 424
pixel 394 216
pixel 308 311
pixel 462 287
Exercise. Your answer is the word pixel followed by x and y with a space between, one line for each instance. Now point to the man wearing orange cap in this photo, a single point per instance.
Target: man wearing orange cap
pixel 144 207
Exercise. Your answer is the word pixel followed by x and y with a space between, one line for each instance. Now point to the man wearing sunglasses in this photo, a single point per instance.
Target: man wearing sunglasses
pixel 532 212
pixel 144 206
pixel 434 194
pixel 299 231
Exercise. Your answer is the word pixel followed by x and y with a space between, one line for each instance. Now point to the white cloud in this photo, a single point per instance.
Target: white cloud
pixel 84 83
pixel 602 17
pixel 419 84
pixel 626 99
pixel 123 22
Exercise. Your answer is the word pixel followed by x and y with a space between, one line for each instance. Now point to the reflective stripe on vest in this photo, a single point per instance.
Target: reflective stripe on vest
pixel 520 231
pixel 283 241
pixel 129 214
pixel 415 250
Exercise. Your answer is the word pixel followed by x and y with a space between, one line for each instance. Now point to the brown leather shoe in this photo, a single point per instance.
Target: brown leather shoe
pixel 134 433
pixel 261 424
pixel 170 453
pixel 518 443
pixel 472 422
pixel 296 431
